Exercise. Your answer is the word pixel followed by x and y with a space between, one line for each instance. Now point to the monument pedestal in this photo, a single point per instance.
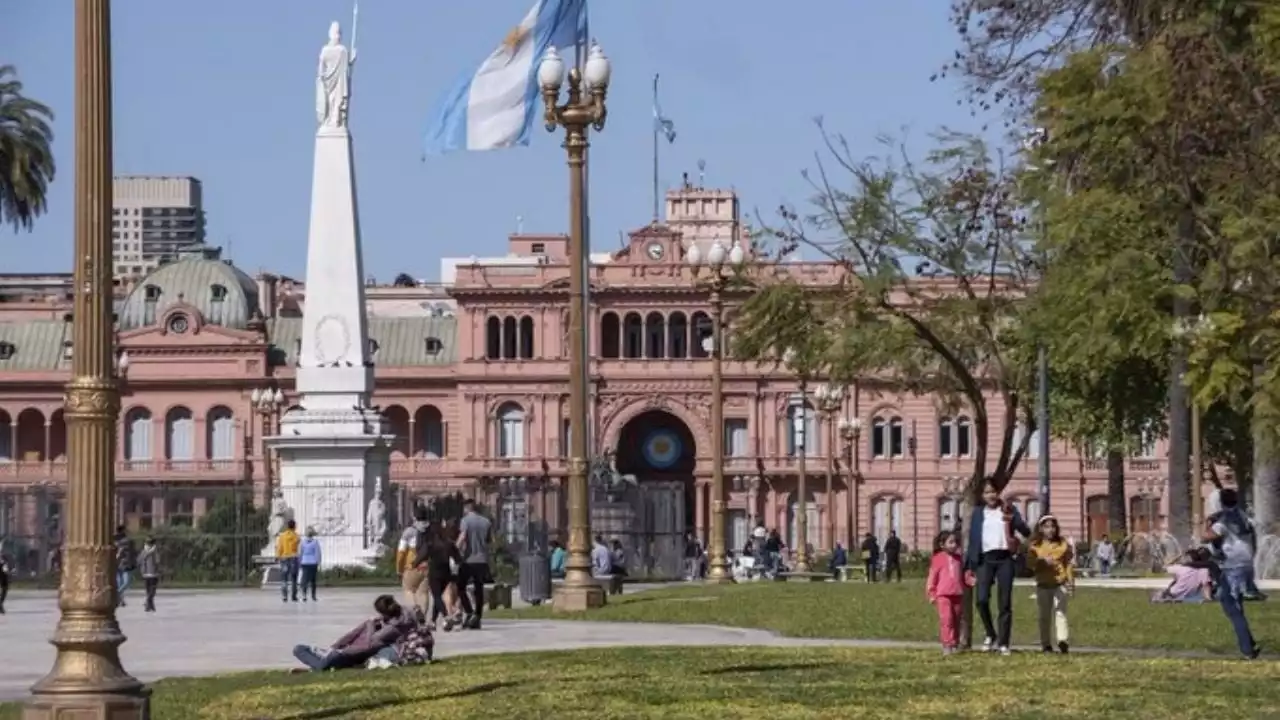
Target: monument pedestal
pixel 328 478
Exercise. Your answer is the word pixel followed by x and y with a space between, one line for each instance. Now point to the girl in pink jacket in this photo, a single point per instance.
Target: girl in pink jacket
pixel 945 588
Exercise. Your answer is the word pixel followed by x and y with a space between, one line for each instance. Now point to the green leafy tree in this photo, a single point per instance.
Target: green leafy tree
pixel 26 153
pixel 934 269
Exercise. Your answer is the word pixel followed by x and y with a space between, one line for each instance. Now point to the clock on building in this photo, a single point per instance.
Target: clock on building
pixel 655 250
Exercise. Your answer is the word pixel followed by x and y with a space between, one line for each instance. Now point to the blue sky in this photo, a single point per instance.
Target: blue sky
pixel 224 91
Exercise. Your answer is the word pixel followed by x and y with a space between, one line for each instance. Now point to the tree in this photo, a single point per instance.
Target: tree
pixel 26 153
pixel 935 272
pixel 1174 139
pixel 404 280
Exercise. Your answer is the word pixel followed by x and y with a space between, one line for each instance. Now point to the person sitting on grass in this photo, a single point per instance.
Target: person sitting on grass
pixel 375 637
pixel 1191 580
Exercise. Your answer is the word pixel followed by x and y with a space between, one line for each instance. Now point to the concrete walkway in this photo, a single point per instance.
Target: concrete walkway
pixel 208 632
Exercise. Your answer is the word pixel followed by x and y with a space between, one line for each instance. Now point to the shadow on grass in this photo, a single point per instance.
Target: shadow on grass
pixel 781 667
pixel 370 706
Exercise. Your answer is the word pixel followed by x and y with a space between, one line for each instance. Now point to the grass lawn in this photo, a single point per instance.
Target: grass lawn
pixel 776 683
pixel 898 611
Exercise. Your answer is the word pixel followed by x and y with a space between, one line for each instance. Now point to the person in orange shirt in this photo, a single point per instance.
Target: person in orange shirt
pixel 287 544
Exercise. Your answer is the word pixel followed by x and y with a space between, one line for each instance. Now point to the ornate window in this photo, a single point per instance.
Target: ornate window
pixel 510 435
pixel 220 426
pixel 955 437
pixel 179 435
pixel 137 435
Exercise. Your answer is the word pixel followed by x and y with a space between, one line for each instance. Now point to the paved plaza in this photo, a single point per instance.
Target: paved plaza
pixel 208 632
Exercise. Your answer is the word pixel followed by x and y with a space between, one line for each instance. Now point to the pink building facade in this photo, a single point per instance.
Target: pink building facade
pixel 473 379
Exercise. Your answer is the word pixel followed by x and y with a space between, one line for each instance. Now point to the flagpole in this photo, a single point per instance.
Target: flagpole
pixel 656 122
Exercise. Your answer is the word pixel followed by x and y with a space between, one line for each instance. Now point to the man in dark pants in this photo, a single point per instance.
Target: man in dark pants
pixel 473 542
pixel 870 556
pixel 990 557
pixel 4 577
pixel 892 556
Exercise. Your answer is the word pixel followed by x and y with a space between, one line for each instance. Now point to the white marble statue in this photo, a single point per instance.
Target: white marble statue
pixel 376 518
pixel 281 514
pixel 333 81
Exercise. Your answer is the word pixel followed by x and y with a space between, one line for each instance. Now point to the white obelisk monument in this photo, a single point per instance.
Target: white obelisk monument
pixel 333 453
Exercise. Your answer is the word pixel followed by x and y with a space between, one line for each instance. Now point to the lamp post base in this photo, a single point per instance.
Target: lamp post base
pixel 577 598
pixel 90 707
pixel 719 575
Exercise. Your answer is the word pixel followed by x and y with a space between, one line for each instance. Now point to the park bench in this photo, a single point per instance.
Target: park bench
pixel 802 576
pixel 847 573
pixel 612 584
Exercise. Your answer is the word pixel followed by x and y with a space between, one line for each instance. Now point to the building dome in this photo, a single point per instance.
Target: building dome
pixel 218 290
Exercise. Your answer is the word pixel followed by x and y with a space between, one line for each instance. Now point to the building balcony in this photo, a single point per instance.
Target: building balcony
pixel 35 471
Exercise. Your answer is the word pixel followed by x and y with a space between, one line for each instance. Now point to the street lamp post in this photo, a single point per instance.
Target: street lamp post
pixel 87 679
pixel 850 429
pixel 584 107
pixel 830 401
pixel 267 402
pixel 720 265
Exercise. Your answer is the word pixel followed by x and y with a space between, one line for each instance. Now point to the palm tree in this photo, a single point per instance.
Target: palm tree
pixel 26 153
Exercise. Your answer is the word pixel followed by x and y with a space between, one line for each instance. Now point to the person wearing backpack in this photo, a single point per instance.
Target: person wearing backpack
pixel 126 562
pixel 411 561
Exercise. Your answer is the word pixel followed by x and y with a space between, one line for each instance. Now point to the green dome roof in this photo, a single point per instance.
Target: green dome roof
pixel 221 292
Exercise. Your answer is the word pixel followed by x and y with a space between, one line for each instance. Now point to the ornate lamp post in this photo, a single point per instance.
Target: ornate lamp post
pixel 830 401
pixel 87 679
pixel 267 402
pixel 584 107
pixel 800 430
pixel 850 429
pixel 720 265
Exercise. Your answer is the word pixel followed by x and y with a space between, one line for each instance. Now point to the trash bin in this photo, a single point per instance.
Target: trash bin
pixel 535 578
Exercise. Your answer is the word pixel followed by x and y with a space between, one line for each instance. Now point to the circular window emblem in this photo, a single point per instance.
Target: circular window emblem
pixel 178 324
pixel 662 449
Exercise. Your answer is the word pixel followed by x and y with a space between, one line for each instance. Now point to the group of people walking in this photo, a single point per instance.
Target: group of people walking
pixel 146 563
pixel 439 562
pixel 989 559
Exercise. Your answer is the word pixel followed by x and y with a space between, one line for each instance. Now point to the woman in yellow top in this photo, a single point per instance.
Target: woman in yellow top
pixel 1053 562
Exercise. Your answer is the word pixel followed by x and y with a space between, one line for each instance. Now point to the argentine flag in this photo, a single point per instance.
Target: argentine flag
pixel 495 106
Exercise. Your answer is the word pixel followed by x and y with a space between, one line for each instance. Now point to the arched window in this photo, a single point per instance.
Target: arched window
pixel 510 435
pixel 879 437
pixel 655 336
pixel 946 444
pixel 526 338
pixel 137 435
pixel 698 346
pixel 179 435
pixel 886 516
pixel 802 429
pixel 220 427
pixel 6 437
pixel 610 336
pixel 509 338
pixel 429 422
pixel 632 336
pixel 964 438
pixel 896 441
pixel 493 338
pixel 677 336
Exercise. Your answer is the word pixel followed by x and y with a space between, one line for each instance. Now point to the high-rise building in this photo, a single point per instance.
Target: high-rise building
pixel 156 220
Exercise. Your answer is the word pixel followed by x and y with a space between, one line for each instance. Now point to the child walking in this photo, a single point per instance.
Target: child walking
pixel 1053 562
pixel 945 588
